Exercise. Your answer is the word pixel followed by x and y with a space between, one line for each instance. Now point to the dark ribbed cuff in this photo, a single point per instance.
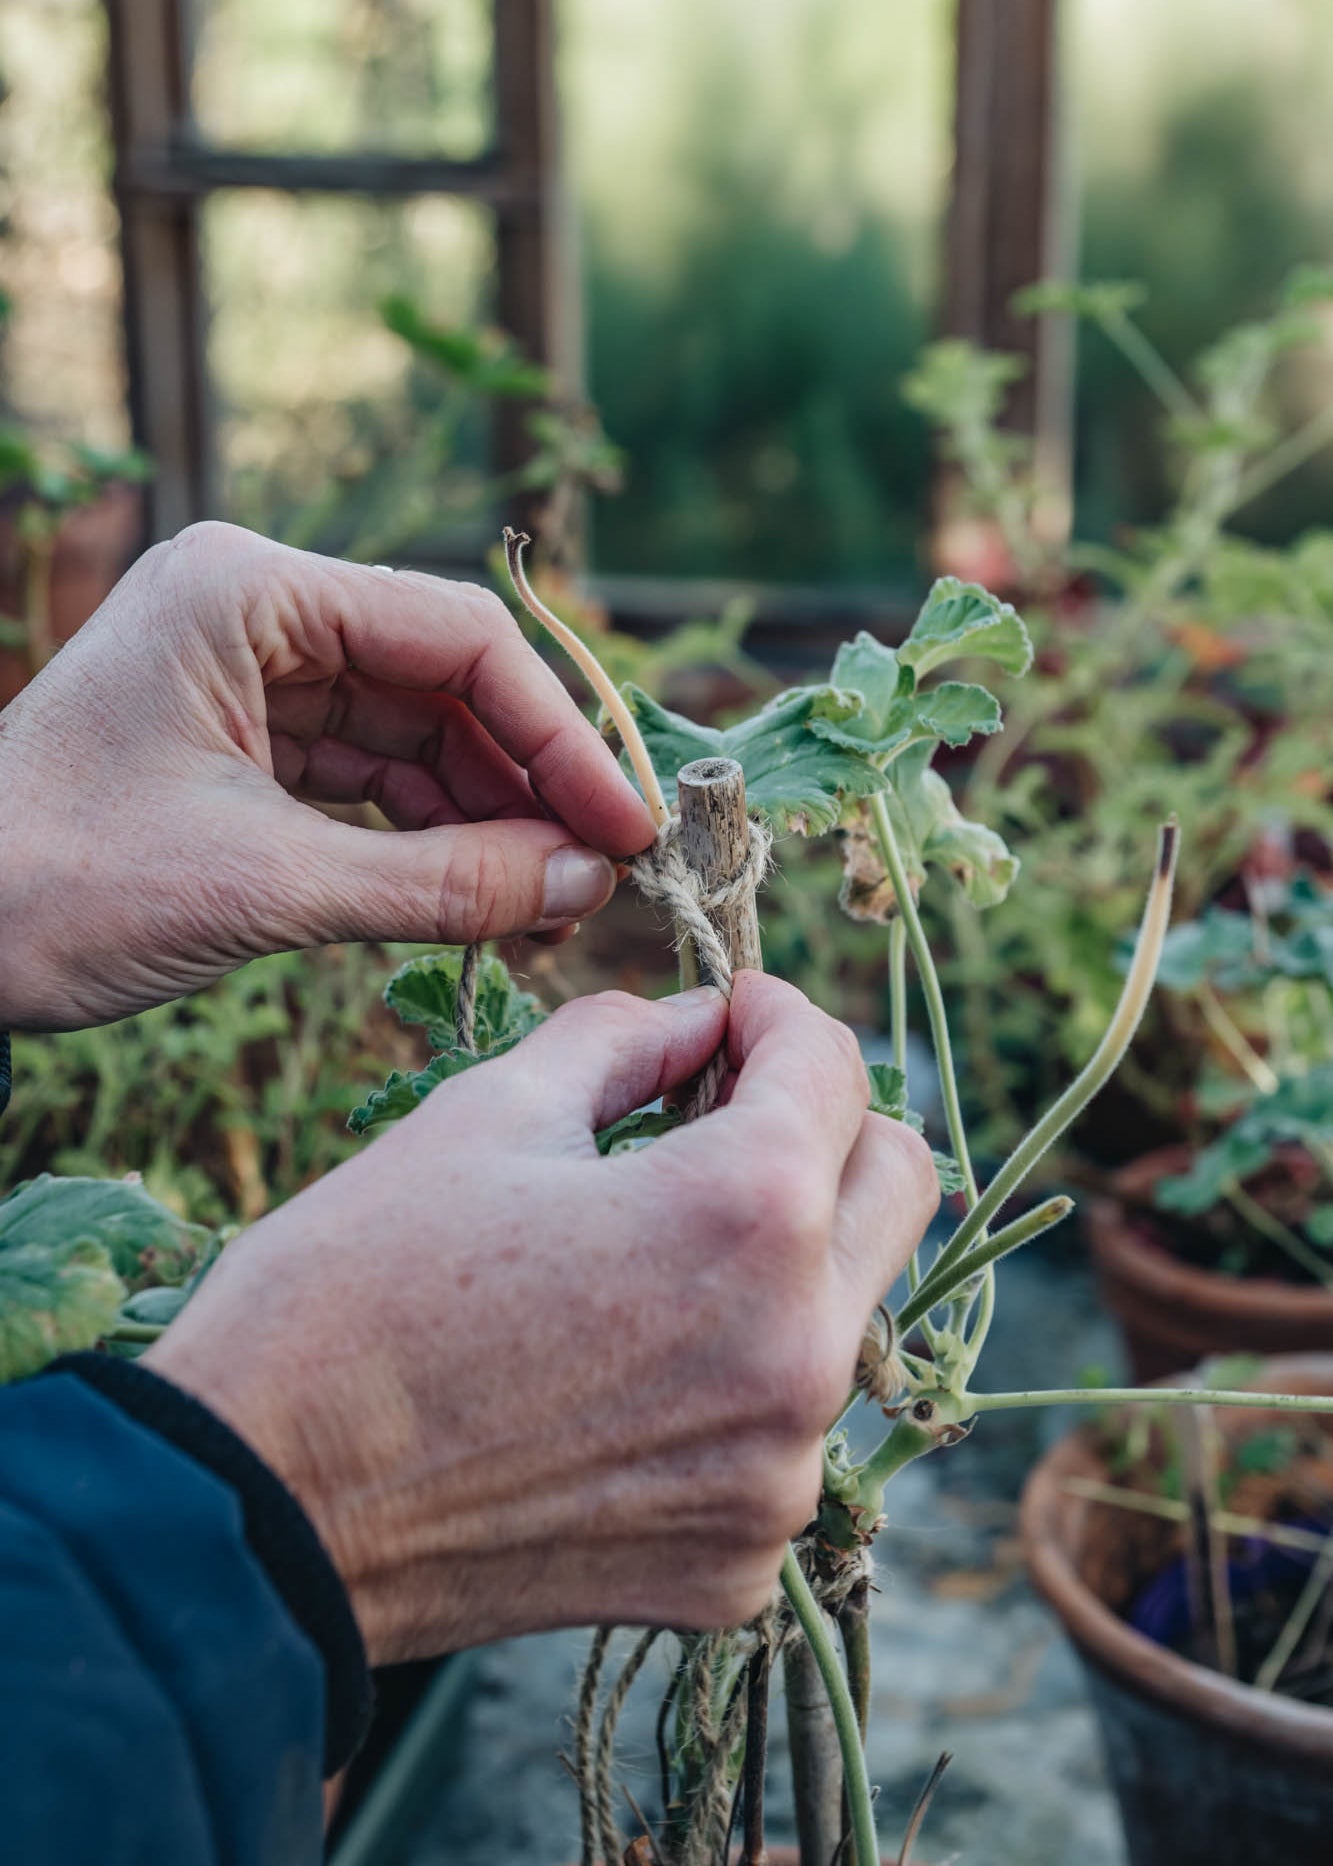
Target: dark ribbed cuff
pixel 280 1534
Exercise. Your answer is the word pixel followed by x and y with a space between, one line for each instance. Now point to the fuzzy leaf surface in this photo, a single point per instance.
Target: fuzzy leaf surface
pixel 793 776
pixel 145 1243
pixel 959 619
pixel 425 991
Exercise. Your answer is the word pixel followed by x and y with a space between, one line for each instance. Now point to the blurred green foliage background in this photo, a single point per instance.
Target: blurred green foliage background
pixel 759 194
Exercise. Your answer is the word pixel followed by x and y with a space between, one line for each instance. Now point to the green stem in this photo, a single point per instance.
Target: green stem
pixel 1152 366
pixel 898 991
pixel 1289 454
pixel 136 1331
pixel 810 1615
pixel 1093 1077
pixel 1152 1396
pixel 1271 1227
pixel 944 1279
pixel 1268 1674
pixel 930 987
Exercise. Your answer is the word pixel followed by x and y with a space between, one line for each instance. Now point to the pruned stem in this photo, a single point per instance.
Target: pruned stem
pixel 857 1784
pixel 944 1279
pixel 1153 1396
pixel 1093 1077
pixel 922 1808
pixel 753 1850
pixel 596 675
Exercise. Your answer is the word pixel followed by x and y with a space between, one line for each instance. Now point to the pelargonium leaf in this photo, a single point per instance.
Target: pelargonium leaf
pixel 145 1243
pixel 962 619
pixel 792 776
pixel 54 1299
pixel 647 1124
pixel 425 991
pixel 407 1089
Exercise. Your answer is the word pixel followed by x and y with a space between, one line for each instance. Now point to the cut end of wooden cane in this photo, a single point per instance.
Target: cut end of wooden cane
pixel 710 771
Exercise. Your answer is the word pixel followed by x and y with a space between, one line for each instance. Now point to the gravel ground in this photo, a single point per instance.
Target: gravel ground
pixel 965 1657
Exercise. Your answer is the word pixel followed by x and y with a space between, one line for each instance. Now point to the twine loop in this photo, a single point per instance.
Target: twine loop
pixel 662 874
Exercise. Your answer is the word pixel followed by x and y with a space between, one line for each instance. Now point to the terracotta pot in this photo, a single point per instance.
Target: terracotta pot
pixel 1208 1772
pixel 1174 1314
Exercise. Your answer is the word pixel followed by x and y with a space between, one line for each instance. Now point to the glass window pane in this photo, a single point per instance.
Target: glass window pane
pixel 409 76
pixel 59 257
pixel 328 431
pixel 761 190
pixel 1205 167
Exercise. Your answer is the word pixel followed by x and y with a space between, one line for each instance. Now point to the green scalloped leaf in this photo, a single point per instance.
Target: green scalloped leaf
pixel 145 1243
pixel 962 619
pixel 792 776
pixel 425 991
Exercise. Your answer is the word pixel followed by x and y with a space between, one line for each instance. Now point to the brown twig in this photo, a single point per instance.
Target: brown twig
pixel 919 1812
pixel 753 1850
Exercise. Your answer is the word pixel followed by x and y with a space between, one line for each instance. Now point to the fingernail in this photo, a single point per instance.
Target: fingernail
pixel 698 994
pixel 578 881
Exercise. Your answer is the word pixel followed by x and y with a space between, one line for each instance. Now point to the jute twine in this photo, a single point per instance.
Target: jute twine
pixel 662 874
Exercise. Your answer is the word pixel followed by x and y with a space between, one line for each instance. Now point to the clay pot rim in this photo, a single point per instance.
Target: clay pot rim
pixel 1132 1659
pixel 1125 1251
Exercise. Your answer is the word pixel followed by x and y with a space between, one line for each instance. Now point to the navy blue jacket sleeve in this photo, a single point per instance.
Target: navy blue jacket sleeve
pixel 161 1702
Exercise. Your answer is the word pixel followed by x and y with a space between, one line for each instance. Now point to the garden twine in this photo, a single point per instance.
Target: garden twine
pixel 662 874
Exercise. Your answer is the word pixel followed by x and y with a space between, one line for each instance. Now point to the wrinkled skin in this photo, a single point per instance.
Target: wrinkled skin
pixel 150 840
pixel 514 1384
pixel 517 1385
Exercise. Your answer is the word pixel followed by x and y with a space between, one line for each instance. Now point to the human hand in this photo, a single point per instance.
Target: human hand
pixel 516 1385
pixel 149 840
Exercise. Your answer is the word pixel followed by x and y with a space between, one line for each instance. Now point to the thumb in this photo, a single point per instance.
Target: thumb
pixel 603 1056
pixel 453 885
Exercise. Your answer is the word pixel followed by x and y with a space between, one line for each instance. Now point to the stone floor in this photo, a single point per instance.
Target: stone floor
pixel 965 1656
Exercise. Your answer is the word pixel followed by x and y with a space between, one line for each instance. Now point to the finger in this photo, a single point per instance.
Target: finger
pixel 602 1057
pixel 801 1086
pixel 888 1196
pixel 330 772
pixel 454 884
pixel 418 632
pixel 433 730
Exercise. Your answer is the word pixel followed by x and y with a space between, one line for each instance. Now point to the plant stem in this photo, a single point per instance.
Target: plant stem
pixel 1289 454
pixel 1233 1039
pixel 1272 1228
pixel 1281 1535
pixel 898 991
pixel 1124 1022
pixel 136 1331
pixel 1268 1674
pixel 596 675
pixel 753 1851
pixel 919 1812
pixel 943 1280
pixel 930 987
pixel 811 1617
pixel 1144 356
pixel 1152 1396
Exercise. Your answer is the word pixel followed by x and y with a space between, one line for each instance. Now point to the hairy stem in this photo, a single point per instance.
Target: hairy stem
pixel 1172 1510
pixel 1144 357
pixel 1093 1077
pixel 944 1279
pixel 811 1617
pixel 930 987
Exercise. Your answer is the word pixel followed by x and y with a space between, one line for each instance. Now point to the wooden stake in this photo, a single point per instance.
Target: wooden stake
pixel 715 839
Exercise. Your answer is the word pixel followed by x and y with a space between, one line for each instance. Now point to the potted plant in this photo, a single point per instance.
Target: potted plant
pixel 1222 1240
pixel 1192 1572
pixel 1183 668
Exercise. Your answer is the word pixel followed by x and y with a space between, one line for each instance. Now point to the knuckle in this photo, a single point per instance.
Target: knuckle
pixel 476 893
pixel 908 1167
pixel 782 1204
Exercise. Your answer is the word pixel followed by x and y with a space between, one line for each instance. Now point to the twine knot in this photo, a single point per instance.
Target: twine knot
pixel 662 874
